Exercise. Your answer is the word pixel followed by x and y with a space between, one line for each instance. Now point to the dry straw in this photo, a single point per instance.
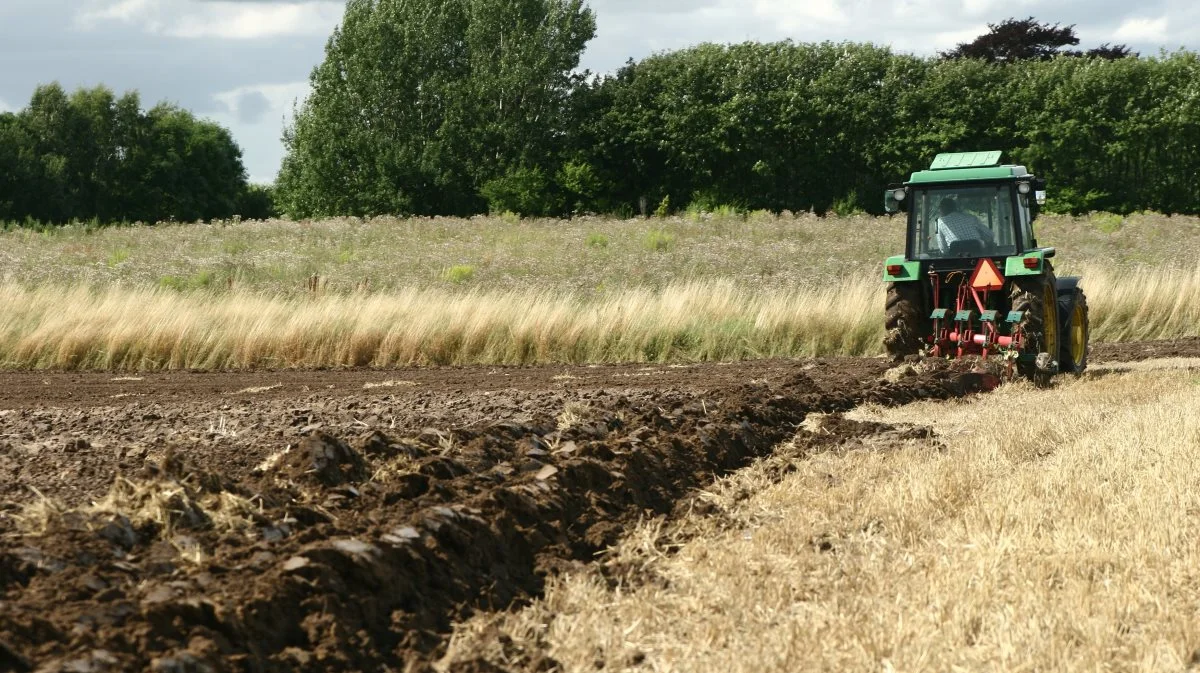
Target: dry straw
pixel 147 329
pixel 1042 530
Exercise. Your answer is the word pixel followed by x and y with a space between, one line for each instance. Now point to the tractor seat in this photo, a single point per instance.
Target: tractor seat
pixel 969 247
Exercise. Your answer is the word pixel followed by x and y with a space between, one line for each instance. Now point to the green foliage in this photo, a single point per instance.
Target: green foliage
pixel 702 202
pixel 437 107
pixel 197 281
pixel 728 210
pixel 664 207
pixel 460 273
pixel 257 202
pixel 708 203
pixel 91 156
pixel 117 256
pixel 419 108
pixel 595 240
pixel 1107 222
pixel 825 127
pixel 524 191
pixel 847 206
pixel 582 186
pixel 658 240
pixel 758 126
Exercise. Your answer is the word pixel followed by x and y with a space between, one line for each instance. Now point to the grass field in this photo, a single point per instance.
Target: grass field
pixel 1036 530
pixel 493 290
pixel 584 256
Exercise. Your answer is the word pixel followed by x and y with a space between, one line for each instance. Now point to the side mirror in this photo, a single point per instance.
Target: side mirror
pixel 1037 198
pixel 895 199
pixel 1039 190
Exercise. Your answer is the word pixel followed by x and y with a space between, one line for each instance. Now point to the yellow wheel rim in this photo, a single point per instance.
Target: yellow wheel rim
pixel 1078 334
pixel 1050 321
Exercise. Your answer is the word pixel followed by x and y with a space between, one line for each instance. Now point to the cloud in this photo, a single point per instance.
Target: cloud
pixel 256 115
pixel 1142 30
pixel 221 19
pixel 5 107
pixel 635 28
pixel 250 104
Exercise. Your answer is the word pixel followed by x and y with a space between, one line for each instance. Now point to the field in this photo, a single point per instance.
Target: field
pixel 383 293
pixel 240 475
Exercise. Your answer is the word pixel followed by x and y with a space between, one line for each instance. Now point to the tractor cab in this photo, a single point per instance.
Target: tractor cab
pixel 968 206
pixel 973 280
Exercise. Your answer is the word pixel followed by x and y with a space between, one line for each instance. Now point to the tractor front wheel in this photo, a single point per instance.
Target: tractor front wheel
pixel 906 320
pixel 1037 298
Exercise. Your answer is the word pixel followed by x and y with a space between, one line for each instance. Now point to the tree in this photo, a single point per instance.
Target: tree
pixel 91 155
pixel 1025 40
pixel 15 174
pixel 1110 52
pixel 777 126
pixel 420 104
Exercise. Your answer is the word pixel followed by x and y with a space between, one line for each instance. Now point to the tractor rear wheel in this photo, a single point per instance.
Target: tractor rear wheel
pixel 1037 298
pixel 1076 332
pixel 905 319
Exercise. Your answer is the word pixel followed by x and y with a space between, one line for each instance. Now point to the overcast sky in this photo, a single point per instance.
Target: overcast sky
pixel 243 62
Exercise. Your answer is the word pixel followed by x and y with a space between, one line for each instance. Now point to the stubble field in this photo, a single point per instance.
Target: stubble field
pixel 539 509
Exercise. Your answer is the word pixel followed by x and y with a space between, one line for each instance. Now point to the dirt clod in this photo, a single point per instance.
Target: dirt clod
pixel 325 459
pixel 360 545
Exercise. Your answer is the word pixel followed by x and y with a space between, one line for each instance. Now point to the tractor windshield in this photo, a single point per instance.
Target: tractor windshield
pixel 961 221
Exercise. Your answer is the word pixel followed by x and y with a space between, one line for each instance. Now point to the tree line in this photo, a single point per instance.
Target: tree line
pixel 457 107
pixel 827 126
pixel 92 155
pixel 461 106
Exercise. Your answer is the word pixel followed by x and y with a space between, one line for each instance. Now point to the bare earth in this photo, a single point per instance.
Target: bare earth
pixel 344 520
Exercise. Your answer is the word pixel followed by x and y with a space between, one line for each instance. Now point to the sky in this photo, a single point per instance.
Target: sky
pixel 244 63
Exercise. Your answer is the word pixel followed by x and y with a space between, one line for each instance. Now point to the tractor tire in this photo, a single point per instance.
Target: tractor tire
pixel 906 320
pixel 1037 298
pixel 1075 334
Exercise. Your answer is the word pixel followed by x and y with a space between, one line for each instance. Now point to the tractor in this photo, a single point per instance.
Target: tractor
pixel 973 280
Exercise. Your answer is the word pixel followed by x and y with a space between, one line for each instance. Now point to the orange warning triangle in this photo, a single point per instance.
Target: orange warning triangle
pixel 987 276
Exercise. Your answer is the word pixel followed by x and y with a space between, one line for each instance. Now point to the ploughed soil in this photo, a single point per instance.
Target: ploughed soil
pixel 1137 351
pixel 343 520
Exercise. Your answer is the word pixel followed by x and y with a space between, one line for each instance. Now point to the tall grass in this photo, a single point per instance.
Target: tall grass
pixel 1144 305
pixel 158 328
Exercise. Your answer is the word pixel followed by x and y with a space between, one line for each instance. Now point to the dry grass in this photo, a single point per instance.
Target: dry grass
pixel 172 509
pixel 156 329
pixel 1143 305
pixel 149 329
pixel 390 383
pixel 1051 530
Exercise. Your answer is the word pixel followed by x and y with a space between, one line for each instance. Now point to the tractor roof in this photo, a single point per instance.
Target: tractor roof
pixel 967 166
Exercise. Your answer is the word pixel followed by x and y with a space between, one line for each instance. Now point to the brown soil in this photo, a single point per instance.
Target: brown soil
pixel 279 521
pixel 1136 351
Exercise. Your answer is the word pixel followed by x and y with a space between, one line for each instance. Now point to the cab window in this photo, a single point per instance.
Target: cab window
pixel 962 221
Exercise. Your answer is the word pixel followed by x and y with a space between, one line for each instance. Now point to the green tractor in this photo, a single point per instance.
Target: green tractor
pixel 973 280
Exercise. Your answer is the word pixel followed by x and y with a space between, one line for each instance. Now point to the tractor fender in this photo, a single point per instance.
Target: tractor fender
pixel 1066 285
